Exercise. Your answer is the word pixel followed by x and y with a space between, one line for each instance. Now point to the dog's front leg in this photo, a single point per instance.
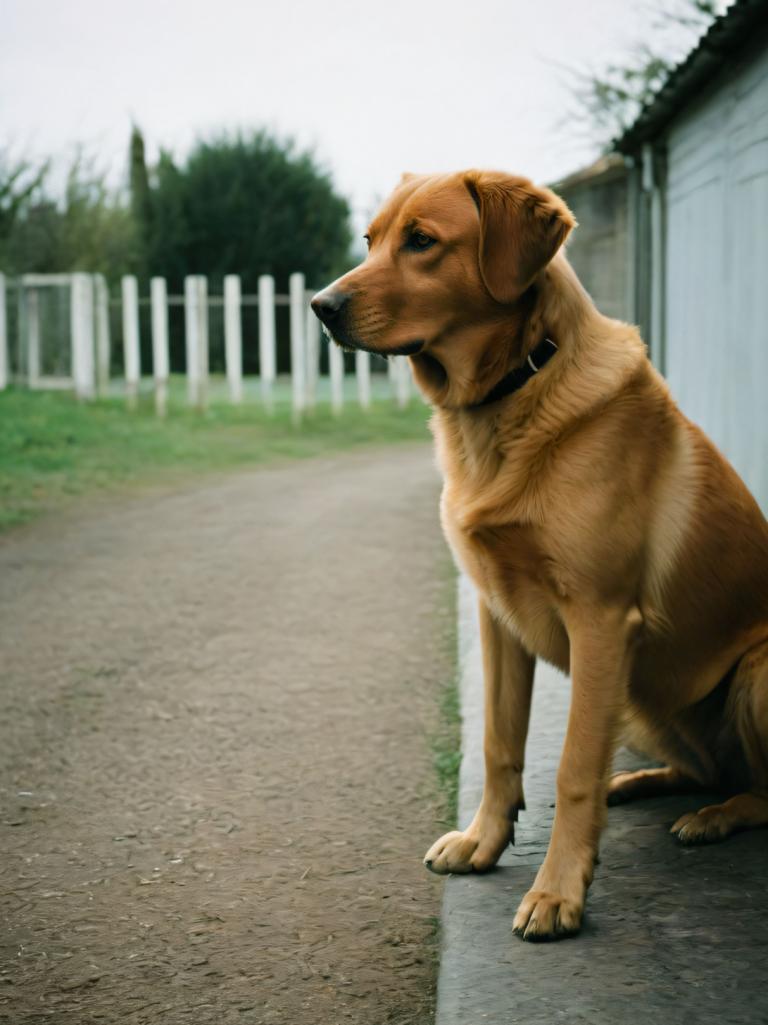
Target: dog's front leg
pixel 508 673
pixel 601 643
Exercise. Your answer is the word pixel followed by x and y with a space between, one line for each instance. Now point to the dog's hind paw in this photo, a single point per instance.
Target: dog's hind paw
pixel 706 826
pixel 717 821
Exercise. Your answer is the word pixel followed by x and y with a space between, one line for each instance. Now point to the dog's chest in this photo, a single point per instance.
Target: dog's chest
pixel 511 572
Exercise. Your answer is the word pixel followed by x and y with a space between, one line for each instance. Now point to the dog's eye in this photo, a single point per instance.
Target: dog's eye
pixel 419 240
pixel 367 240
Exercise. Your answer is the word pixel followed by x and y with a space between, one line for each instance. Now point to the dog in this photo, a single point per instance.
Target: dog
pixel 602 529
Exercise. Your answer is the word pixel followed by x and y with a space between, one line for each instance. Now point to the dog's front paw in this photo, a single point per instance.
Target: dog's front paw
pixel 545 915
pixel 477 849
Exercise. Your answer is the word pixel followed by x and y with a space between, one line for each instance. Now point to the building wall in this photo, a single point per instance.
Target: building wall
pixel 598 247
pixel 716 319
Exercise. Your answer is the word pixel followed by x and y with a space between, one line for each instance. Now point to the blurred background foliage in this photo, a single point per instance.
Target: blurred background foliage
pixel 85 226
pixel 240 203
pixel 250 203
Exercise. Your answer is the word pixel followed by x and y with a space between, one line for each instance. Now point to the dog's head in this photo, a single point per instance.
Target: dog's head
pixel 447 254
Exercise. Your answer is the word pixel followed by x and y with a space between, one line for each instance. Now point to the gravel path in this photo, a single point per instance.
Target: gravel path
pixel 215 775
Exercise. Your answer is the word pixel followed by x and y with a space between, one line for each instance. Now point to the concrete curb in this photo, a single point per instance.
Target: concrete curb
pixel 674 934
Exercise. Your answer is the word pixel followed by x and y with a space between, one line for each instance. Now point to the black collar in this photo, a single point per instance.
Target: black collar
pixel 517 377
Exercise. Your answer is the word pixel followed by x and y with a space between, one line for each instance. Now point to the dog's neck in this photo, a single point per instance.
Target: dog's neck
pixel 459 372
pixel 597 358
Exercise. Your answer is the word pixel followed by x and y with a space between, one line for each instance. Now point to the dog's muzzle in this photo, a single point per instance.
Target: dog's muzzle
pixel 330 308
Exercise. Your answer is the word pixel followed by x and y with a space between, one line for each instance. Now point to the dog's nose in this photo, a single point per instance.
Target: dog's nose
pixel 329 306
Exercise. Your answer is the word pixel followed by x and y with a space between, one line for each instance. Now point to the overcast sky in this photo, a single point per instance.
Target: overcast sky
pixel 374 88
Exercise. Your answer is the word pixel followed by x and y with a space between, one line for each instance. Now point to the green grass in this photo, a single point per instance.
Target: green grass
pixel 53 448
pixel 446 753
pixel 445 740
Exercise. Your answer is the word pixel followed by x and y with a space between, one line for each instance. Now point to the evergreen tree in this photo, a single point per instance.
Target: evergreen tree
pixel 248 205
pixel 141 204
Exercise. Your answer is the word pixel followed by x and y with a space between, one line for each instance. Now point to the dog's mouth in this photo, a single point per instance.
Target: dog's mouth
pixel 346 342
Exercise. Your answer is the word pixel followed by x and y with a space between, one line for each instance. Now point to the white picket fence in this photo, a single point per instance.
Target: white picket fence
pixel 90 343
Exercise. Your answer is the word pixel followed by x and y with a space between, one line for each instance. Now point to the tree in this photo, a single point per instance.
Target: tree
pixel 612 98
pixel 19 181
pixel 85 228
pixel 245 204
pixel 141 207
pixel 168 236
pixel 248 205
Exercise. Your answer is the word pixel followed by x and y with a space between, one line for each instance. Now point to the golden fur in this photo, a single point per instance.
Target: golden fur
pixel 603 530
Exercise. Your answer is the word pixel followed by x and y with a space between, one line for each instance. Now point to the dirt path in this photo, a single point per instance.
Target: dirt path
pixel 215 777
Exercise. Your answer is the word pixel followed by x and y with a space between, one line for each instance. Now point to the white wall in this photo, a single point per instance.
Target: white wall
pixel 716 333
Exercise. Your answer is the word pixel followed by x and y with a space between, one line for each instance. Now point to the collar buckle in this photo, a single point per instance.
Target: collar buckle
pixel 535 361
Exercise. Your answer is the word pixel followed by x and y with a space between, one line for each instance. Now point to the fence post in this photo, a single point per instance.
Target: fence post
pixel 159 298
pixel 83 368
pixel 102 335
pixel 267 336
pixel 336 370
pixel 233 337
pixel 392 373
pixel 298 353
pixel 402 380
pixel 191 340
pixel 312 335
pixel 131 353
pixel 202 334
pixel 3 337
pixel 32 302
pixel 363 374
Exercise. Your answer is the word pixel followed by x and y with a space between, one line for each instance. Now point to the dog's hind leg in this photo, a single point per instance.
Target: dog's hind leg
pixel 631 786
pixel 747 715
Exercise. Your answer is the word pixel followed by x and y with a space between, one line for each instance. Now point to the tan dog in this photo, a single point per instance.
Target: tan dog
pixel 603 531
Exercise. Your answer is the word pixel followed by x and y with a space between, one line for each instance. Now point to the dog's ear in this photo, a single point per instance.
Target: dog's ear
pixel 521 228
pixel 407 176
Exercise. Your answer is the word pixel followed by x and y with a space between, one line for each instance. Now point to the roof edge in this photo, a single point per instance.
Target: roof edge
pixel 725 35
pixel 605 168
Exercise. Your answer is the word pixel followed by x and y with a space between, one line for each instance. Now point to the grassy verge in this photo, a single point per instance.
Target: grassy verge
pixel 53 448
pixel 446 753
pixel 446 737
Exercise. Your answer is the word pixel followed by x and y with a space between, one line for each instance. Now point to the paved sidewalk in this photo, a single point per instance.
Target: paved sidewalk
pixel 672 934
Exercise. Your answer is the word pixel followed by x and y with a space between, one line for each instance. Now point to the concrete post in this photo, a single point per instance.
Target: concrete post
pixel 131 352
pixel 267 338
pixel 298 352
pixel 83 361
pixel 160 361
pixel 402 380
pixel 312 335
pixel 103 349
pixel 192 339
pixel 392 374
pixel 336 369
pixel 233 337
pixel 32 306
pixel 363 375
pixel 202 334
